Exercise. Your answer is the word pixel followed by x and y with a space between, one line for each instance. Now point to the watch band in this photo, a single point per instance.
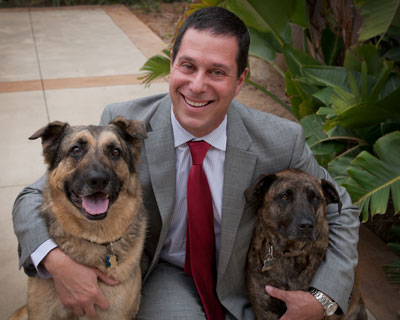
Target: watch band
pixel 328 305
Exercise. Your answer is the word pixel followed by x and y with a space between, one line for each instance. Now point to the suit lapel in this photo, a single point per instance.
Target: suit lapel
pixel 161 159
pixel 238 173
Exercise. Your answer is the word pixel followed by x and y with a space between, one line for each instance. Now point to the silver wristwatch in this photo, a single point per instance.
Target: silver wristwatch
pixel 328 305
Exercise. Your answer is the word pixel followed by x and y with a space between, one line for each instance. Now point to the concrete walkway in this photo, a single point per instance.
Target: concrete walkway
pixel 66 64
pixel 62 64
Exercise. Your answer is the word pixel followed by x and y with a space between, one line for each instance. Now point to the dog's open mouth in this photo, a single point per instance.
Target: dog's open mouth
pixel 94 206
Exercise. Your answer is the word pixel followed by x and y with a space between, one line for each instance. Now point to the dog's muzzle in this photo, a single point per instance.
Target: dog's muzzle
pixel 95 196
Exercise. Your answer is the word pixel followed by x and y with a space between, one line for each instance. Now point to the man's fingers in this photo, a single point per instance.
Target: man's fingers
pixel 276 293
pixel 106 279
pixel 78 311
pixel 102 302
pixel 90 311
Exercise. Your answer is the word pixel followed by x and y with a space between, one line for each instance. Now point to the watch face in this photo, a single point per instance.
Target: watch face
pixel 331 309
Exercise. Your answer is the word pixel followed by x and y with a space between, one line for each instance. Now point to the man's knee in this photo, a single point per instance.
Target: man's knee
pixel 168 293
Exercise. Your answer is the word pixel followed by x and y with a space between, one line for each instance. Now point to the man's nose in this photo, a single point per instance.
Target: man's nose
pixel 198 84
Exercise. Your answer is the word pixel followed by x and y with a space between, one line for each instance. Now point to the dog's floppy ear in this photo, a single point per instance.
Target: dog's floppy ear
pixel 133 131
pixel 255 193
pixel 51 136
pixel 331 194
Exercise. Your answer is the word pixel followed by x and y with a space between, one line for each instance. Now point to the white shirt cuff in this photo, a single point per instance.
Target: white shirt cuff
pixel 38 255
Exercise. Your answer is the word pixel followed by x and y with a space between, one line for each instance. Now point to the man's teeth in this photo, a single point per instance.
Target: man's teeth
pixel 196 104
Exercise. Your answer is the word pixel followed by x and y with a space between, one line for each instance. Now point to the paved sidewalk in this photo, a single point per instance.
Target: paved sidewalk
pixel 66 64
pixel 58 64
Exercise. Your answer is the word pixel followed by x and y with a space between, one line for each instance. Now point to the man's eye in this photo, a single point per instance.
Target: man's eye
pixel 187 66
pixel 217 73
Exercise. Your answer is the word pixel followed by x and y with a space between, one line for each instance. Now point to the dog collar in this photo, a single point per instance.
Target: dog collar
pixel 103 243
pixel 111 259
pixel 270 259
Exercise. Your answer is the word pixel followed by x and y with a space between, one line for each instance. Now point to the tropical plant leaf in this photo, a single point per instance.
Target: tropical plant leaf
pixel 328 146
pixel 298 13
pixel 263 45
pixel 296 60
pixel 373 179
pixel 396 230
pixel 331 45
pixel 395 247
pixel 366 52
pixel 339 165
pixel 157 66
pixel 269 16
pixel 376 16
pixel 392 272
pixel 252 17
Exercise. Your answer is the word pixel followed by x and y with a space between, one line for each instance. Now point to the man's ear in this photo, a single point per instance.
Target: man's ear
pixel 240 80
pixel 171 59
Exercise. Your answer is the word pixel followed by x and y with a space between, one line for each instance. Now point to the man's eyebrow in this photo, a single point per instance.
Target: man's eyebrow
pixel 185 58
pixel 215 65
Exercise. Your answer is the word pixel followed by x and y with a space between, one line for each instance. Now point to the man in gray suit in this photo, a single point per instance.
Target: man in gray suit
pixel 208 68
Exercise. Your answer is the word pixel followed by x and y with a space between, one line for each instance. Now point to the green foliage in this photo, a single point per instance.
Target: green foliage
pixel 156 67
pixel 393 270
pixel 373 179
pixel 377 16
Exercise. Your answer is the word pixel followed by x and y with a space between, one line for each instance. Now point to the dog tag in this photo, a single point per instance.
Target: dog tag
pixel 268 264
pixel 269 260
pixel 111 261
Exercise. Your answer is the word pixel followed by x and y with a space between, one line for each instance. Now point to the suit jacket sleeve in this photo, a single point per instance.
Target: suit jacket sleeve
pixel 29 227
pixel 335 276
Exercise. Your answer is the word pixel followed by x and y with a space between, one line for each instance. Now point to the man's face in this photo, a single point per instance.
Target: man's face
pixel 203 80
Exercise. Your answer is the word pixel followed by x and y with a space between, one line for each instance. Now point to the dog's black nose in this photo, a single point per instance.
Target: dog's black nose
pixel 305 225
pixel 97 180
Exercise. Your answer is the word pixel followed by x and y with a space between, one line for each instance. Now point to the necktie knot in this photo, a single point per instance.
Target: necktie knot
pixel 198 150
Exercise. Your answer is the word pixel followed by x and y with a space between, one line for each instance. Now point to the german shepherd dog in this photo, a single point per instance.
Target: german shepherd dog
pixel 290 239
pixel 93 208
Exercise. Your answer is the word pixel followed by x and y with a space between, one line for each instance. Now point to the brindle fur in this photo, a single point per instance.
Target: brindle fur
pixel 112 152
pixel 291 219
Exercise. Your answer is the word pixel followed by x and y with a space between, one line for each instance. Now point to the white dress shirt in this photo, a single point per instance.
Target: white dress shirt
pixel 174 247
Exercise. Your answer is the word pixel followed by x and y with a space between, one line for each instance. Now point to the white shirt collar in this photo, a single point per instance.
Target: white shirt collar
pixel 216 138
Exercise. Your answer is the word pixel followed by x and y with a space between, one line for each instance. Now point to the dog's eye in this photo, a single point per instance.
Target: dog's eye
pixel 116 152
pixel 284 196
pixel 75 150
pixel 315 199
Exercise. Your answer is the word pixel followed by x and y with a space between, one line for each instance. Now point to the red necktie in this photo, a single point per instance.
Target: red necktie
pixel 200 261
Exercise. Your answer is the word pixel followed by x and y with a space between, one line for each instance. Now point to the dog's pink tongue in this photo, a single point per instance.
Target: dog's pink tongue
pixel 95 204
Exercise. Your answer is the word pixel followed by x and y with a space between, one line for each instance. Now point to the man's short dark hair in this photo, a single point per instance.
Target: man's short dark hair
pixel 219 22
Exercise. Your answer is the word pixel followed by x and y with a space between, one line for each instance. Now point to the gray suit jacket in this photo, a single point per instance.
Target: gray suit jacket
pixel 257 143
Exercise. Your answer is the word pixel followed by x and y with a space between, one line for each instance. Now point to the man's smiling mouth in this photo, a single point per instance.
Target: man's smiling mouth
pixel 195 104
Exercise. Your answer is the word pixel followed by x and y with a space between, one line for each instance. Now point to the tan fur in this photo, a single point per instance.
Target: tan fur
pixel 124 225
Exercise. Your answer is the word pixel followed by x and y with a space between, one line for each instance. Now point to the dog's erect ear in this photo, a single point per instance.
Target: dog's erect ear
pixel 51 137
pixel 331 194
pixel 132 130
pixel 255 193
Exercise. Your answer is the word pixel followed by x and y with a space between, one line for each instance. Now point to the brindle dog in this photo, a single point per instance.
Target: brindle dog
pixel 93 207
pixel 290 239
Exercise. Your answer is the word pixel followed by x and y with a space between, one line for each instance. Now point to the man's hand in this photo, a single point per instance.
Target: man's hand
pixel 77 284
pixel 300 305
